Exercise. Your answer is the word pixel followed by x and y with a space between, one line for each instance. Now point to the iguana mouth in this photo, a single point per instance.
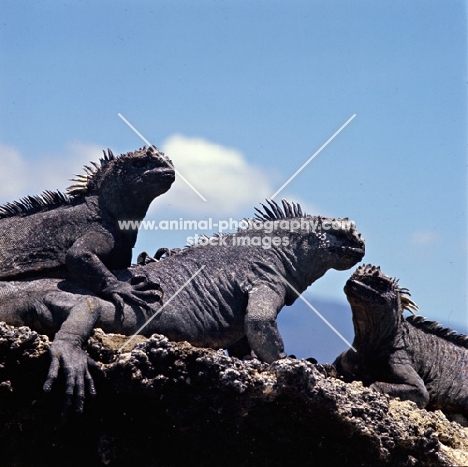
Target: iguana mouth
pixel 357 250
pixel 159 174
pixel 354 252
pixel 356 289
pixel 349 256
pixel 353 285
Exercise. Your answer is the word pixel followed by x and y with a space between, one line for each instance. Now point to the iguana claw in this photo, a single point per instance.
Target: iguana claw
pixel 66 353
pixel 140 291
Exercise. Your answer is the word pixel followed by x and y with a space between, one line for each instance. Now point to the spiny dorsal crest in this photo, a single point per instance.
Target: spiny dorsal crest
pixel 274 212
pixel 92 174
pixel 435 328
pixel 406 302
pixel 83 180
pixel 35 203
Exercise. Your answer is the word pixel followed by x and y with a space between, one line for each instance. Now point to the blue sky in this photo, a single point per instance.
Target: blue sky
pixel 240 95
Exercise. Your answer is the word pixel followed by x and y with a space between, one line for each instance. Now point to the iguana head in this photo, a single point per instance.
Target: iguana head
pixel 377 302
pixel 339 241
pixel 128 182
pixel 317 243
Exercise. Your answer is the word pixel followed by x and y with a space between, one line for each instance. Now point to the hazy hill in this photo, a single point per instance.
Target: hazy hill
pixel 306 335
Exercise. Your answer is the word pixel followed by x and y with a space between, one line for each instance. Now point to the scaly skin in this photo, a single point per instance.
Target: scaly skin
pixel 409 358
pixel 79 231
pixel 231 303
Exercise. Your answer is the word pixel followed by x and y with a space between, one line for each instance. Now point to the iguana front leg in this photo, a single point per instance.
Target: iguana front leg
pixel 405 383
pixel 83 260
pixel 66 350
pixel 260 324
pixel 347 365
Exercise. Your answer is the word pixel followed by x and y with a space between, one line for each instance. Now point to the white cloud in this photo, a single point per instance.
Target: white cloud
pixel 222 175
pixel 424 237
pixel 231 185
pixel 13 179
pixel 21 176
pixel 58 169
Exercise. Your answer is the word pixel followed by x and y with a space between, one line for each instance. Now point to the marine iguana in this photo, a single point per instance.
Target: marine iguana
pixel 410 358
pixel 223 292
pixel 80 228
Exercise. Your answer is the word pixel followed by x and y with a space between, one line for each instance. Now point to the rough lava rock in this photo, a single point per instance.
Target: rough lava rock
pixel 165 404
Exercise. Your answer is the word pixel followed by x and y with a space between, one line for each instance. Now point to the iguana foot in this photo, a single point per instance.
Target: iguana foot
pixel 140 291
pixel 66 353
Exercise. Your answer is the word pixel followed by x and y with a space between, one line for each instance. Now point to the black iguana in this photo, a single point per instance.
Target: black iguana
pixel 410 358
pixel 80 228
pixel 224 292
